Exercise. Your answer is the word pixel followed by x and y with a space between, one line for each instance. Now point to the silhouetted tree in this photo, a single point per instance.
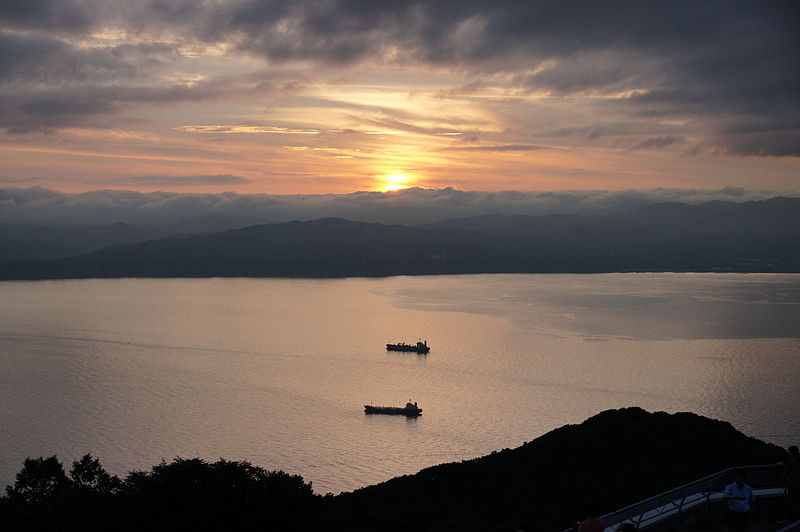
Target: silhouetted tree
pixel 40 480
pixel 188 493
pixel 88 476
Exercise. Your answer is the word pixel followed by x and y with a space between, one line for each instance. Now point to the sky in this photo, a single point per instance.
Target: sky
pixel 282 97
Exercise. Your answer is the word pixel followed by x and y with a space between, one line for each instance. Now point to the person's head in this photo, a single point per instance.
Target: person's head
pixel 590 508
pixel 740 478
pixel 793 451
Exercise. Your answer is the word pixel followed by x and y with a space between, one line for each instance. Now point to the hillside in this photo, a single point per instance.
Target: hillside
pixel 323 248
pixel 35 242
pixel 742 237
pixel 617 457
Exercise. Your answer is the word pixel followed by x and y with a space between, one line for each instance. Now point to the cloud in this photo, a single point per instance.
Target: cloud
pixel 51 15
pixel 68 105
pixel 19 197
pixel 250 130
pixel 501 148
pixel 601 72
pixel 51 82
pixel 57 107
pixel 611 129
pixel 47 59
pixel 653 61
pixel 48 82
pixel 181 211
pixel 658 142
pixel 18 179
pixel 763 144
pixel 183 180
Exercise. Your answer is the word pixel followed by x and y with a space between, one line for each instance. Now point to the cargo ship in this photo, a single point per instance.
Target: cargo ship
pixel 419 347
pixel 411 409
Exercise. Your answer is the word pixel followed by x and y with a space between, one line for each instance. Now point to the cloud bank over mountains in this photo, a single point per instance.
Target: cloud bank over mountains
pixel 216 212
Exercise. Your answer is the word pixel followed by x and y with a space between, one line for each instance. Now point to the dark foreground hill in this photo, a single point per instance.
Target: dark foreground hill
pixel 616 457
pixel 747 237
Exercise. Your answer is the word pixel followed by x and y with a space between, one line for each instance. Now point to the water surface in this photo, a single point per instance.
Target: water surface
pixel 276 371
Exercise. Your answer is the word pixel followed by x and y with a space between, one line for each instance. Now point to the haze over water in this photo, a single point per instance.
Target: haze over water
pixel 277 371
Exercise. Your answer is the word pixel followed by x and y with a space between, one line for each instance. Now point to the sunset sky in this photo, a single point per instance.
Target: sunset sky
pixel 315 97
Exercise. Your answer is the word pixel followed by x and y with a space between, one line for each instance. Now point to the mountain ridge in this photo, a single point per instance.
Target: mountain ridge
pixel 746 237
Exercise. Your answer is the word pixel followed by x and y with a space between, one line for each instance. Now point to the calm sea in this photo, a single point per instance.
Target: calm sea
pixel 277 371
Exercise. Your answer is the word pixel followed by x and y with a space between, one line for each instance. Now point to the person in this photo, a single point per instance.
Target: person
pixel 792 483
pixel 593 523
pixel 740 501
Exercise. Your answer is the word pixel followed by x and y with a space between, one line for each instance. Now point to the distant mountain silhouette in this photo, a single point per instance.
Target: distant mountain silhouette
pixel 714 236
pixel 717 236
pixel 32 242
pixel 517 224
pixel 777 217
pixel 323 248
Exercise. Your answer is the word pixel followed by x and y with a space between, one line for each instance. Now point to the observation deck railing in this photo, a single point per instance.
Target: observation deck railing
pixel 766 481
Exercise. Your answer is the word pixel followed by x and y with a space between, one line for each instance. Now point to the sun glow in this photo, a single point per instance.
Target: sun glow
pixel 394 182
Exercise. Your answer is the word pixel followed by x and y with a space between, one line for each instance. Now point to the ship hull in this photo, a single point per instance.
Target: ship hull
pixel 407 348
pixel 392 410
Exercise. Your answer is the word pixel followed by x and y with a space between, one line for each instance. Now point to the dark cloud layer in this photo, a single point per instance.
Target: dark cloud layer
pixel 223 211
pixel 721 65
pixel 50 15
pixel 50 82
pixel 659 142
pixel 502 148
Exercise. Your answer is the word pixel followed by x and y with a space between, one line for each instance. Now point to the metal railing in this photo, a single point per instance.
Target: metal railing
pixel 766 480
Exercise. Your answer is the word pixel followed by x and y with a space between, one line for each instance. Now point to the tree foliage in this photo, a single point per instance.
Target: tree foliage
pixel 40 480
pixel 88 476
pixel 181 495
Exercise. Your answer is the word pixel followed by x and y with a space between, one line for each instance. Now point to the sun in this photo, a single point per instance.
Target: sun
pixel 394 182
